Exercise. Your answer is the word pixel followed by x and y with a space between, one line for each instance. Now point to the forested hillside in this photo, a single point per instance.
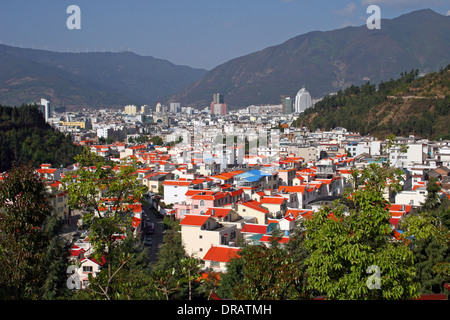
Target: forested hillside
pixel 25 137
pixel 409 105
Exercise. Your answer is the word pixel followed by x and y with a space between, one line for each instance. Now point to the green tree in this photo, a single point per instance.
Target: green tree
pixel 263 273
pixel 107 196
pixel 427 232
pixel 24 210
pixel 432 200
pixel 157 140
pixel 172 251
pixel 352 253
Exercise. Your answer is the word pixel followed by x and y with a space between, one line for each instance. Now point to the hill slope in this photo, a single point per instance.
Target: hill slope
pixel 406 106
pixel 26 137
pixel 88 79
pixel 326 62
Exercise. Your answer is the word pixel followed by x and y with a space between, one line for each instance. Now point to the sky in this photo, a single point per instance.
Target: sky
pixel 196 33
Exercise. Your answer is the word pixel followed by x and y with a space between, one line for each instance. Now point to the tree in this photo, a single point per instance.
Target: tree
pixel 172 251
pixel 353 254
pixel 427 232
pixel 24 210
pixel 166 282
pixel 108 197
pixel 157 140
pixel 260 272
pixel 432 200
pixel 191 272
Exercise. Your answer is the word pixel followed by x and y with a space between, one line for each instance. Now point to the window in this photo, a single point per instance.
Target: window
pixel 87 268
pixel 200 237
pixel 202 203
pixel 215 264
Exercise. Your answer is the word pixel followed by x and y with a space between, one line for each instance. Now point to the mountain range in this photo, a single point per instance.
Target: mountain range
pixel 328 61
pixel 321 61
pixel 88 79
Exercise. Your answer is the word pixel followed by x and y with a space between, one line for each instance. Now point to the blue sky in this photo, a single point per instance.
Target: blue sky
pixel 198 33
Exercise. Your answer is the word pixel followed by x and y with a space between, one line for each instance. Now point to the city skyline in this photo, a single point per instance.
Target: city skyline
pixel 200 33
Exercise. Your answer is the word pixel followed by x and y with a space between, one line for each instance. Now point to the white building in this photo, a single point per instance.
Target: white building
pixel 413 156
pixel 45 104
pixel 302 101
pixel 175 191
pixel 175 107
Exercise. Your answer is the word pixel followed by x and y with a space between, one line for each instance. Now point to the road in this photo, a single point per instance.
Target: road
pixel 157 236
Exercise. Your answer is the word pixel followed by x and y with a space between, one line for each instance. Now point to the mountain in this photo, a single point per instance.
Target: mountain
pixel 328 61
pixel 409 105
pixel 88 79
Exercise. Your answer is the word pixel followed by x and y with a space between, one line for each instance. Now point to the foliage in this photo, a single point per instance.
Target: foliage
pixel 157 140
pixel 263 273
pixel 27 238
pixel 107 196
pixel 428 233
pixel 350 239
pixel 25 137
pixel 404 106
pixel 432 200
pixel 172 252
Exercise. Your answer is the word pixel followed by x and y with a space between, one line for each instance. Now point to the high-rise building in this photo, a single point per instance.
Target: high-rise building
pixel 302 101
pixel 130 109
pixel 218 98
pixel 45 105
pixel 286 103
pixel 175 107
pixel 159 108
pixel 145 109
pixel 218 105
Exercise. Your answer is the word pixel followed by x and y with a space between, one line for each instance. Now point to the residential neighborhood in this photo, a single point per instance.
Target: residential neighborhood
pixel 224 197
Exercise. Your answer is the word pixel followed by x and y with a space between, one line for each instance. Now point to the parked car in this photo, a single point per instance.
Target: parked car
pixel 148 242
pixel 150 228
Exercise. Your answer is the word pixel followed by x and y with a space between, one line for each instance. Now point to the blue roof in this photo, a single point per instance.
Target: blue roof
pixel 258 172
pixel 251 173
pixel 252 178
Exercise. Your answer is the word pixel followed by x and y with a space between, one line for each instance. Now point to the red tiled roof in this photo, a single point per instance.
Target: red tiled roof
pixel 272 200
pixel 214 196
pixel 221 254
pixel 254 228
pixel 267 238
pixel 136 222
pixel 194 220
pixel 218 212
pixel 176 183
pixel 254 205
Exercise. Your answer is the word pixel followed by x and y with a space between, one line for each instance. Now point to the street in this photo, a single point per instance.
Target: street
pixel 157 236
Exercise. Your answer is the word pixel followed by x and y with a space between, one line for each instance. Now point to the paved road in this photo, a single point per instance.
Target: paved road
pixel 157 237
